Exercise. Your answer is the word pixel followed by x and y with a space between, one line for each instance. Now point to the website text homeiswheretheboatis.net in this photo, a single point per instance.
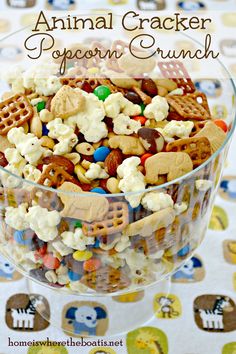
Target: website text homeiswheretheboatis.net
pixel 70 342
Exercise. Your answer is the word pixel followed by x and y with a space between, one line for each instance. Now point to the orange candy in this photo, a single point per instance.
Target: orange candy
pixel 144 158
pixel 140 119
pixel 221 124
pixel 51 262
pixel 92 264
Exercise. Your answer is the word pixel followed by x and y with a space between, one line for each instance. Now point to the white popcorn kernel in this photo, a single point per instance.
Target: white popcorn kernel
pixel 28 145
pixel 16 217
pixel 116 103
pixel 124 125
pixel 122 244
pixel 43 222
pixel 178 91
pixel 9 181
pixel 96 172
pixel 203 185
pixel 42 78
pixel 15 159
pixel 31 173
pixel 180 208
pixel 132 180
pixel 158 109
pixel 180 129
pixel 156 201
pixel 77 239
pixel 90 120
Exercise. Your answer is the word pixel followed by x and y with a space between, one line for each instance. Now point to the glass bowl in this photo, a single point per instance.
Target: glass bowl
pixel 108 244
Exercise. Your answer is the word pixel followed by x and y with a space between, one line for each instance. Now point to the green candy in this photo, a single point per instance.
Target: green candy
pixel 78 224
pixel 41 105
pixel 102 92
pixel 142 108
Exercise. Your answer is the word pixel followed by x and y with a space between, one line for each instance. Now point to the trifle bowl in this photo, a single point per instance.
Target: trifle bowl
pixel 109 167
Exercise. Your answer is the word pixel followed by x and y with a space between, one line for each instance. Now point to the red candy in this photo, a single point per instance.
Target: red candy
pixel 92 264
pixel 221 124
pixel 140 119
pixel 51 262
pixel 144 158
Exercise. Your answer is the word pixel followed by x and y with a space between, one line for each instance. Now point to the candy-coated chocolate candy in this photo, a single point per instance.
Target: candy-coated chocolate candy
pixel 142 106
pixel 78 224
pixel 74 276
pixel 140 119
pixel 41 105
pixel 51 262
pixel 102 92
pixel 86 87
pixel 82 256
pixel 97 244
pixel 92 264
pixel 21 239
pixel 184 251
pixel 45 130
pixel 152 140
pixel 101 153
pixel 98 190
pixel 133 97
pixel 221 124
pixel 134 210
pixel 144 158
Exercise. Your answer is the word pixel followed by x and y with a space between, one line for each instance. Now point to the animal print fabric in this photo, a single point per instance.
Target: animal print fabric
pixel 198 316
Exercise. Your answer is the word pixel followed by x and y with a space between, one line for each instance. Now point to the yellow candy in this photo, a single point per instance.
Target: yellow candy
pixel 82 255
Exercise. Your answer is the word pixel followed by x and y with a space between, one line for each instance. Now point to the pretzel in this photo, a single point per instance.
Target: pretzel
pixel 119 48
pixel 76 82
pixel 176 71
pixel 14 112
pixel 55 176
pixel 188 106
pixel 13 197
pixel 145 98
pixel 199 149
pixel 112 87
pixel 198 126
pixel 106 280
pixel 115 221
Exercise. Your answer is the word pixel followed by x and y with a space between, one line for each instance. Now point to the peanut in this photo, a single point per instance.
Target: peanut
pixel 80 172
pixel 85 149
pixel 113 185
pixel 46 116
pixel 47 142
pixel 73 157
pixel 85 164
pixel 36 126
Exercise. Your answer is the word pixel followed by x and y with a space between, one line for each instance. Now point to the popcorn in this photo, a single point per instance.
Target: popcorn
pixel 96 171
pixel 115 261
pixel 31 173
pixel 42 78
pixel 16 217
pixel 51 276
pixel 43 222
pixel 89 121
pixel 15 160
pixel 8 180
pixel 132 180
pixel 124 125
pixel 158 109
pixel 181 129
pixel 28 145
pixel 13 77
pixel 156 201
pixel 64 134
pixel 180 208
pixel 77 239
pixel 61 248
pixel 203 185
pixel 116 103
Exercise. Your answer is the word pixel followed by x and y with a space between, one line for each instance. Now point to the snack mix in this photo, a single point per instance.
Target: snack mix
pixel 106 144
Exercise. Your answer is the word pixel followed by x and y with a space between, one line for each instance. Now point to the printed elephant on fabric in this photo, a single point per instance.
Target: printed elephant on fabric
pixel 85 318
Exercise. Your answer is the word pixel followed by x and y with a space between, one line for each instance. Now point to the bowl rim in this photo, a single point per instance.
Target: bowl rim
pixel 150 189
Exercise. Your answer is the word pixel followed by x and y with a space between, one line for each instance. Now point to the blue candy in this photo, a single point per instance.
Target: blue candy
pixel 98 190
pixel 74 276
pixel 96 244
pixel 184 251
pixel 45 130
pixel 101 153
pixel 19 237
pixel 134 210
